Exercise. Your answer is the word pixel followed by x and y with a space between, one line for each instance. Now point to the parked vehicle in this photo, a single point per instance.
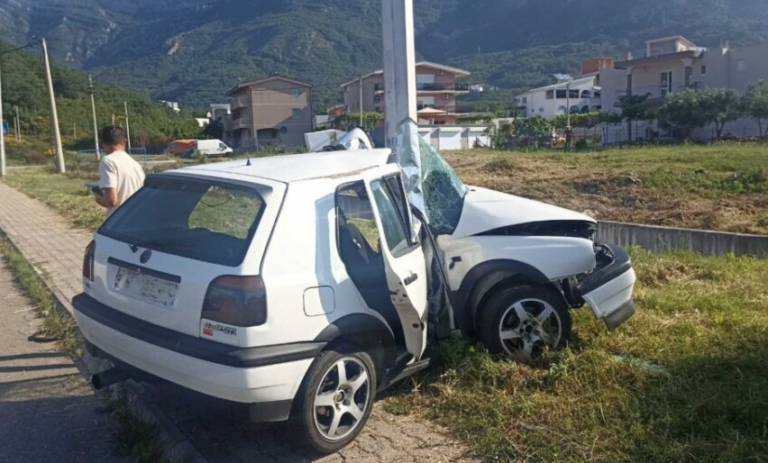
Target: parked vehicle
pixel 302 286
pixel 209 148
pixel 213 148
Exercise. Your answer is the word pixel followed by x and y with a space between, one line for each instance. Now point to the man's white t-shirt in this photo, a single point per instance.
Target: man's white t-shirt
pixel 121 172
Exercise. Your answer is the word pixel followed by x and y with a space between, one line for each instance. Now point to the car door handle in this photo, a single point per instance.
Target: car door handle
pixel 411 279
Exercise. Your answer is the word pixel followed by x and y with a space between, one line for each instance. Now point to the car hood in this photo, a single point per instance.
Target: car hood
pixel 486 210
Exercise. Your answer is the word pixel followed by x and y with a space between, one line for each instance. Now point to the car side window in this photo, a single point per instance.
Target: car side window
pixel 396 230
pixel 355 218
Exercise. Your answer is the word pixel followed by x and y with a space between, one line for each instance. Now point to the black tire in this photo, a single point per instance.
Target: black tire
pixel 306 417
pixel 538 334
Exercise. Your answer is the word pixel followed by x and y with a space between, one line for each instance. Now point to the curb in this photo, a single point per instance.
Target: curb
pixel 176 446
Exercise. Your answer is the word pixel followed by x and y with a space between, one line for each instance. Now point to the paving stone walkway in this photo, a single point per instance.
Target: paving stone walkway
pixel 214 429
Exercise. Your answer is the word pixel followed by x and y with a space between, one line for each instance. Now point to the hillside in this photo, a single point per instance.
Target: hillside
pixel 194 50
pixel 24 87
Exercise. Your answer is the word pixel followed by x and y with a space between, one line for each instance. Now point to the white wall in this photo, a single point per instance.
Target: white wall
pixel 454 138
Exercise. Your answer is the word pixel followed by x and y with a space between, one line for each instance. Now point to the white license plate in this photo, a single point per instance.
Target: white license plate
pixel 145 287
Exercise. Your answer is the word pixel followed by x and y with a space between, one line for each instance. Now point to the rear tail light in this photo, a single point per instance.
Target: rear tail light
pixel 90 253
pixel 237 301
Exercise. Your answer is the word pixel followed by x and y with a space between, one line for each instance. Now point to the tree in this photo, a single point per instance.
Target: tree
pixel 532 129
pixel 720 106
pixel 214 130
pixel 755 105
pixel 633 108
pixel 684 112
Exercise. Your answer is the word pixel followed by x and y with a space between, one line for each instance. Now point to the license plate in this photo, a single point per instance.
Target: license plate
pixel 145 287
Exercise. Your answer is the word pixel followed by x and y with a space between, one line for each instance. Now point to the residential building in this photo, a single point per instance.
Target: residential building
pixel 580 95
pixel 436 88
pixel 274 111
pixel 219 110
pixel 672 64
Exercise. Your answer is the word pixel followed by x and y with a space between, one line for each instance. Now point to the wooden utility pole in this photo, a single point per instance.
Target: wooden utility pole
pixel 127 127
pixel 399 65
pixel 54 112
pixel 95 124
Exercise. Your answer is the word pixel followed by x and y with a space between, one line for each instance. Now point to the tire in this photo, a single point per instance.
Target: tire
pixel 523 321
pixel 313 421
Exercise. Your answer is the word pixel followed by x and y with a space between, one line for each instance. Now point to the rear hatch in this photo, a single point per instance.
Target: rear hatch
pixel 157 254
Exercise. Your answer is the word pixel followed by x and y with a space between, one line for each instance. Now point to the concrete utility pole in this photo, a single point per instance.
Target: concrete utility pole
pixel 399 65
pixel 361 103
pixel 2 134
pixel 16 124
pixel 54 112
pixel 95 123
pixel 127 127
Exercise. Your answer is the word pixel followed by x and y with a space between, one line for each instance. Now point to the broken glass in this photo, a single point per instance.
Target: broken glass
pixel 432 185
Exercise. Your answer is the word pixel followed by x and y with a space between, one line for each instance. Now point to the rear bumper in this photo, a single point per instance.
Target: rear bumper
pixel 256 375
pixel 608 291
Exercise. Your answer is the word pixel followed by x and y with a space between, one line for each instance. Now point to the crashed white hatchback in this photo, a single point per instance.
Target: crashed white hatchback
pixel 300 286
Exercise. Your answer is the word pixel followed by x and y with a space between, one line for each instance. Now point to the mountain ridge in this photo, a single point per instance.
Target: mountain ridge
pixel 194 50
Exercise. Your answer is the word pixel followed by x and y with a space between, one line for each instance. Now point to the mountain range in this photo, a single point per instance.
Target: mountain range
pixel 193 51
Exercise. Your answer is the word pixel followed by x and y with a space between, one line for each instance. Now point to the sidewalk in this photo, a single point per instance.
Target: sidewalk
pixel 217 432
pixel 47 407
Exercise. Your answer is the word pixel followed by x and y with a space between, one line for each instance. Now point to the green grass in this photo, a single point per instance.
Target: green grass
pixel 684 380
pixel 58 323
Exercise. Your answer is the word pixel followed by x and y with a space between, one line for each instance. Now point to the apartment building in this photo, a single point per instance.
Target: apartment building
pixel 579 95
pixel 274 111
pixel 436 87
pixel 672 64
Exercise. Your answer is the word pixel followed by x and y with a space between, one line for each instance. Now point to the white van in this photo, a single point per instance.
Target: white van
pixel 212 148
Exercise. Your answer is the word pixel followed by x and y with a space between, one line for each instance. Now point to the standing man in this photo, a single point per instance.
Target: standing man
pixel 120 176
pixel 568 137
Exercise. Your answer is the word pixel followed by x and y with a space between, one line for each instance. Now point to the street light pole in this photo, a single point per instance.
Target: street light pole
pixel 95 123
pixel 361 103
pixel 568 101
pixel 16 124
pixel 54 112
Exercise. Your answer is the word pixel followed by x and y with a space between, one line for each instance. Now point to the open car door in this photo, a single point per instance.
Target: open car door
pixel 403 256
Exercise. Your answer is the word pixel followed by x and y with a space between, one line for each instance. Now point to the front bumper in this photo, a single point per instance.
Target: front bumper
pixel 256 375
pixel 608 290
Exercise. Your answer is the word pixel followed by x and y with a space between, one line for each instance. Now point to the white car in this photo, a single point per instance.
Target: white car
pixel 300 286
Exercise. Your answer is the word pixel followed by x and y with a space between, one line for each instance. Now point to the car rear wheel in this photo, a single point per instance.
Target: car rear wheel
pixel 335 399
pixel 524 321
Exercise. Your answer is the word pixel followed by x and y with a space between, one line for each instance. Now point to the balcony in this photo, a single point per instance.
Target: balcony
pixel 452 87
pixel 240 102
pixel 241 123
pixel 656 94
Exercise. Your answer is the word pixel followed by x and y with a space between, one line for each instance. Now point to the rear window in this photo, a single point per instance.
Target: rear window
pixel 196 218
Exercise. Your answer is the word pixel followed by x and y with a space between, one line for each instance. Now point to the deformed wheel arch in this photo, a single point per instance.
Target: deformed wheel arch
pixel 483 280
pixel 367 332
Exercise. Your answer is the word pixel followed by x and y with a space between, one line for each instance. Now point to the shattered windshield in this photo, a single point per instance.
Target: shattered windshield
pixel 431 183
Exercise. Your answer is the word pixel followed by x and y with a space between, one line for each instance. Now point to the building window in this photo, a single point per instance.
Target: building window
pixel 550 94
pixel 574 93
pixel 666 83
pixel 657 51
pixel 295 92
pixel 561 95
pixel 703 69
pixel 525 100
pixel 296 113
pixel 598 94
pixel 561 110
pixel 741 65
pixel 586 94
pixel 541 109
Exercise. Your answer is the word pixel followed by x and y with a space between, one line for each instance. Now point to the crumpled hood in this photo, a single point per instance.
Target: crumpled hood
pixel 486 210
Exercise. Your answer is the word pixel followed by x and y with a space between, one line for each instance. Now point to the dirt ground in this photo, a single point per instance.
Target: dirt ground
pixel 655 194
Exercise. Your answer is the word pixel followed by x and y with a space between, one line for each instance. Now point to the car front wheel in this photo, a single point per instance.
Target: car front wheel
pixel 524 321
pixel 335 399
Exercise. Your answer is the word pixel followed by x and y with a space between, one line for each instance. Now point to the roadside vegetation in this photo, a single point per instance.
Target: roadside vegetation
pixel 718 187
pixel 684 380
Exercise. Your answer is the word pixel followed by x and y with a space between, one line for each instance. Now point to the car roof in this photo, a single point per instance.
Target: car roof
pixel 297 167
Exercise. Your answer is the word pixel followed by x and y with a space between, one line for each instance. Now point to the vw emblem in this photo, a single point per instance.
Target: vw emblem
pixel 145 256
